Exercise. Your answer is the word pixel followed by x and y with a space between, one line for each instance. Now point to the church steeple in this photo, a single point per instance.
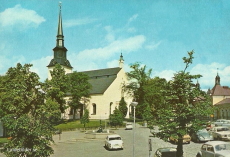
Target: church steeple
pixel 217 80
pixel 121 61
pixel 198 84
pixel 60 52
pixel 60 37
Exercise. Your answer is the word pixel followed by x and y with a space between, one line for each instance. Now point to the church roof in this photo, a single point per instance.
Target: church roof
pixel 224 101
pixel 219 90
pixel 101 79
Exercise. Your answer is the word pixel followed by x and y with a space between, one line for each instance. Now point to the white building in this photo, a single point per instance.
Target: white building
pixel 106 91
pixel 220 99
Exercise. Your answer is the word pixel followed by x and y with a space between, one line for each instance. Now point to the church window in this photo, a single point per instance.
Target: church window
pixel 71 111
pixel 94 109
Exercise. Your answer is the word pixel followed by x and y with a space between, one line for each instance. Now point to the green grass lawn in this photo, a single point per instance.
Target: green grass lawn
pixel 72 125
pixel 3 140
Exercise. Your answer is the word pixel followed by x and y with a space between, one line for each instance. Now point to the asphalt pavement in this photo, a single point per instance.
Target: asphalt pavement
pixel 74 144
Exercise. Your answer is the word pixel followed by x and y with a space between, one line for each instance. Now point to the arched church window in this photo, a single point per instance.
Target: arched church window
pixel 71 111
pixel 94 108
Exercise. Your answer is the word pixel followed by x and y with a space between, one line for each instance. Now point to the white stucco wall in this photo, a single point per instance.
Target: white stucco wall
pixel 112 96
pixel 216 99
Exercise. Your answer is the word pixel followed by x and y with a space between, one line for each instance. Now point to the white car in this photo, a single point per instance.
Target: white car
pixel 219 122
pixel 114 142
pixel 220 133
pixel 215 149
pixel 129 126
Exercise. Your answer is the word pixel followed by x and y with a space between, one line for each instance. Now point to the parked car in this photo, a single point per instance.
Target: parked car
pixel 215 149
pixel 201 136
pixel 219 122
pixel 165 152
pixel 129 126
pixel 226 123
pixel 220 133
pixel 186 139
pixel 114 142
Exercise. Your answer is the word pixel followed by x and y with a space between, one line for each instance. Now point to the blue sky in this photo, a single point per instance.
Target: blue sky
pixel 156 33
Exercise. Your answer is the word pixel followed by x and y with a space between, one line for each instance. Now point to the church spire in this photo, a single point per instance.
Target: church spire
pixel 60 37
pixel 121 61
pixel 217 80
pixel 198 84
pixel 60 52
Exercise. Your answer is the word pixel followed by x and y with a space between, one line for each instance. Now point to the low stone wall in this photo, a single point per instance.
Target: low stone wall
pixel 95 135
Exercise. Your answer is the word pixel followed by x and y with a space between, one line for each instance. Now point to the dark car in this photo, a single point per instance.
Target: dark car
pixel 166 152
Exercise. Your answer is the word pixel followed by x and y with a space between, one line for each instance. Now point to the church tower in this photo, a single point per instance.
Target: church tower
pixel 121 61
pixel 60 52
pixel 217 80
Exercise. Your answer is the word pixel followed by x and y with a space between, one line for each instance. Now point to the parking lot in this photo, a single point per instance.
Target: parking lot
pixel 74 144
pixel 82 147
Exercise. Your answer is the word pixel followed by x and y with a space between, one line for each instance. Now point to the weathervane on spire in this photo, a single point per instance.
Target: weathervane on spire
pixel 60 4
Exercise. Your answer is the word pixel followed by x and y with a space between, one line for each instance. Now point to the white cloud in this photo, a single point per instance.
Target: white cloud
pixel 127 26
pixel 167 74
pixel 153 45
pixel 133 18
pixel 91 59
pixel 77 22
pixel 113 63
pixel 4 63
pixel 131 30
pixel 39 67
pixel 10 61
pixel 209 72
pixel 126 45
pixel 20 18
pixel 110 37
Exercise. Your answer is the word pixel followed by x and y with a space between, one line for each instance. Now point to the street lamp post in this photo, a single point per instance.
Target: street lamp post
pixel 134 104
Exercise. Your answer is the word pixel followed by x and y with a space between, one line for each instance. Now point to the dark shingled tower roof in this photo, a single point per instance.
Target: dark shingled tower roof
pixel 60 52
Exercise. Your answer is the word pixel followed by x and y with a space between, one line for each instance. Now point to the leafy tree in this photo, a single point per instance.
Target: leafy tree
pixel 25 113
pixel 182 111
pixel 116 118
pixel 123 107
pixel 57 87
pixel 138 78
pixel 53 111
pixel 85 118
pixel 79 89
pixel 155 94
pixel 147 114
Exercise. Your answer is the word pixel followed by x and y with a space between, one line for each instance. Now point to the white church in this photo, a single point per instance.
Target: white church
pixel 106 91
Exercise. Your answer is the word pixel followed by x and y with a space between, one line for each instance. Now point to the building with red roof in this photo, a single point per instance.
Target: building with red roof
pixel 220 99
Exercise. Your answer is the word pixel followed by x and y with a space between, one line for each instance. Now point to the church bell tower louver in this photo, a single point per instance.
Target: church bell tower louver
pixel 60 52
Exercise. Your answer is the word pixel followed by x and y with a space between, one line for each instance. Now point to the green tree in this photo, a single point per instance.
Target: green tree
pixel 85 118
pixel 79 89
pixel 155 94
pixel 53 112
pixel 182 112
pixel 57 87
pixel 116 118
pixel 123 107
pixel 138 77
pixel 25 113
pixel 147 114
